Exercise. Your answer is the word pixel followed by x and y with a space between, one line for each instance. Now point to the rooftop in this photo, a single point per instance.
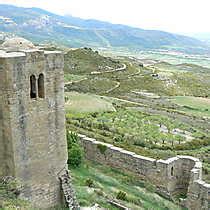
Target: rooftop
pixel 17 44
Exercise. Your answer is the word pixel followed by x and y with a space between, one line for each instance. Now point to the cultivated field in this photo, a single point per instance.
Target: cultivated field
pixel 86 103
pixel 195 105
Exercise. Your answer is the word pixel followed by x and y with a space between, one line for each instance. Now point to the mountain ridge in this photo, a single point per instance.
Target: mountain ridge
pixel 40 25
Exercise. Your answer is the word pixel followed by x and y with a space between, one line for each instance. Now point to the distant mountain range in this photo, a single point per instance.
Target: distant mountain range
pixel 202 36
pixel 42 26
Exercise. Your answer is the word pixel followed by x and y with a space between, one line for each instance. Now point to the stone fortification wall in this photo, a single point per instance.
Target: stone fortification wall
pixel 198 195
pixel 1 142
pixel 177 175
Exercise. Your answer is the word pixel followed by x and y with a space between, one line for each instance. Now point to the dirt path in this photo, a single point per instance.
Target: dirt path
pixel 74 82
pixel 115 87
pixel 111 71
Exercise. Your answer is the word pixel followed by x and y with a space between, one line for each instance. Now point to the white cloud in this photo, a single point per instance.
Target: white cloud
pixel 182 16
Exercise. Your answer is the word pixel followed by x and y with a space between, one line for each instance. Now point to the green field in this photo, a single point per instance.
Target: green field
pixel 195 105
pixel 86 103
pixel 107 182
pixel 73 77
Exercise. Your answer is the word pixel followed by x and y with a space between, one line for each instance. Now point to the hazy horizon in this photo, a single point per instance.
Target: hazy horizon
pixel 183 17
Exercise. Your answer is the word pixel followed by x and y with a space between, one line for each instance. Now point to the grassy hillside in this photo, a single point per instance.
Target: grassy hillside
pixel 161 109
pixel 86 103
pixel 162 79
pixel 85 60
pixel 195 105
pixel 95 183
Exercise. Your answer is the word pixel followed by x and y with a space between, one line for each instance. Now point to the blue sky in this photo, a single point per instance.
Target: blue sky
pixel 180 16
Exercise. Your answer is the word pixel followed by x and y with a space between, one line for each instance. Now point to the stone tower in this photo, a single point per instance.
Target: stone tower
pixel 33 146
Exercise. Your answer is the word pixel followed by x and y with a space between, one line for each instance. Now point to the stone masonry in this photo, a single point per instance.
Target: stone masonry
pixel 177 175
pixel 33 145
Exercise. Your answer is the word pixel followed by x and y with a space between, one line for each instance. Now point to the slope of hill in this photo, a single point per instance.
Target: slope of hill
pixel 42 26
pixel 161 110
pixel 83 61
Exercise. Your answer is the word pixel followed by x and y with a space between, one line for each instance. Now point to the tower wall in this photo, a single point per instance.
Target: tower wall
pixel 7 167
pixel 2 154
pixel 34 127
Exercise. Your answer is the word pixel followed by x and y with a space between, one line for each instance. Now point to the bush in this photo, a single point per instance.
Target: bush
pixel 75 155
pixel 134 200
pixel 121 195
pixel 83 202
pixel 102 148
pixel 72 138
pixel 140 143
pixel 89 183
pixel 118 139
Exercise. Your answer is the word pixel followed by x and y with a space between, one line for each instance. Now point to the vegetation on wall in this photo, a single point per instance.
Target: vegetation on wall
pixel 75 152
pixel 102 148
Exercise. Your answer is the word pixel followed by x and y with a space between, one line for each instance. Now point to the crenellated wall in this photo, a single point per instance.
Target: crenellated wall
pixel 174 176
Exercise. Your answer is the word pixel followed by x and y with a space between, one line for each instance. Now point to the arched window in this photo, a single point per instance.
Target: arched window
pixel 32 86
pixel 172 171
pixel 41 86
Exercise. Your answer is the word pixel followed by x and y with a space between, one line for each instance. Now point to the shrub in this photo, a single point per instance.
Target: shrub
pixel 118 139
pixel 75 155
pixel 139 143
pixel 121 195
pixel 66 98
pixel 89 183
pixel 83 202
pixel 72 138
pixel 134 200
pixel 94 115
pixel 102 148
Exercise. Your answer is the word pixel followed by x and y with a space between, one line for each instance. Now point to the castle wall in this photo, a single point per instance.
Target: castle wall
pixel 198 195
pixel 37 126
pixel 177 175
pixel 2 165
pixel 145 168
